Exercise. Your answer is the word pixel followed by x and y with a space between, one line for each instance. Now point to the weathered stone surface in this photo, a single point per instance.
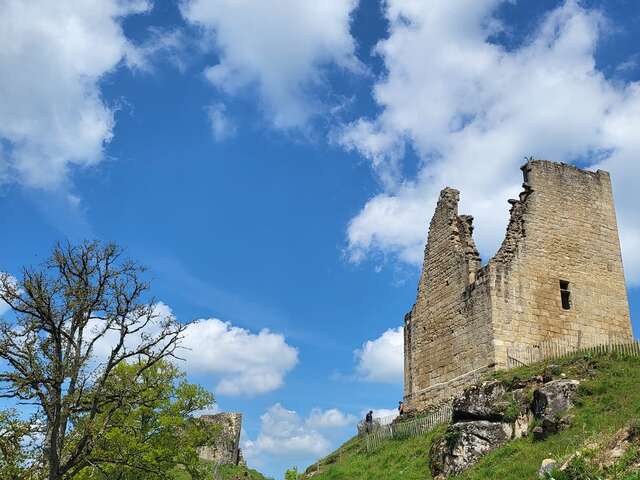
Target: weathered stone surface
pixel 549 403
pixel 538 433
pixel 554 398
pixel 550 425
pixel 547 466
pixel 524 416
pixel 481 402
pixel 521 424
pixel 465 443
pixel 225 449
pixel 562 228
pixel 620 444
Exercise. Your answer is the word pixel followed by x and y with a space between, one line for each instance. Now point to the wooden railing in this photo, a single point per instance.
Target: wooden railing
pixel 405 429
pixel 520 355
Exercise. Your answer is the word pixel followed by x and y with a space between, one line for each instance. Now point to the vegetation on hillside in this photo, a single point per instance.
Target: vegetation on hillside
pixel 222 472
pixel 609 398
pixel 159 434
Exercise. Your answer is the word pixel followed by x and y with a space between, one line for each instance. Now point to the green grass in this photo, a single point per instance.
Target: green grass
pixel 394 459
pixel 226 472
pixel 233 472
pixel 609 397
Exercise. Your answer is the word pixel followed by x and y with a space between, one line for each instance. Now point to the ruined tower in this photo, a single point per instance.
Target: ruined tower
pixel 558 274
pixel 225 449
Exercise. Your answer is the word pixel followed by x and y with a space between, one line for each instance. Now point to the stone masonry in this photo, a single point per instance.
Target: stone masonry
pixel 558 274
pixel 226 448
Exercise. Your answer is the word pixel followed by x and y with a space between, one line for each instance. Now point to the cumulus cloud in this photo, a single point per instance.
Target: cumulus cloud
pixel 53 56
pixel 331 418
pixel 240 361
pixel 284 434
pixel 282 48
pixel 382 360
pixel 247 363
pixel 473 109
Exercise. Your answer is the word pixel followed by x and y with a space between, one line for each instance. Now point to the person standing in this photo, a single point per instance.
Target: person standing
pixel 368 421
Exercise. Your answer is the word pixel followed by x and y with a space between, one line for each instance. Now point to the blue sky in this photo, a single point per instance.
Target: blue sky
pixel 275 165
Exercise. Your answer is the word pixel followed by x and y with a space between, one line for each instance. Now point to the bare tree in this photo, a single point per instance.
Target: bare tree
pixel 75 320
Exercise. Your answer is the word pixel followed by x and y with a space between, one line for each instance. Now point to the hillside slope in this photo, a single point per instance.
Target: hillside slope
pixel 225 472
pixel 609 399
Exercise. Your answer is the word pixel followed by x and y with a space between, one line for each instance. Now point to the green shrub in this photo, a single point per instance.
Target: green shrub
pixel 452 437
pixel 512 411
pixel 291 474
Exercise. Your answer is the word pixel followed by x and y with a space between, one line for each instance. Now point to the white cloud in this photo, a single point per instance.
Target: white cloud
pixel 168 44
pixel 472 110
pixel 222 127
pixel 382 359
pixel 282 48
pixel 284 434
pixel 331 418
pixel 53 56
pixel 247 363
pixel 241 362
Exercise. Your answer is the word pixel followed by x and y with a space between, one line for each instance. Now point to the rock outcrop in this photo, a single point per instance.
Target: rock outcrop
pixel 488 415
pixel 613 457
pixel 555 396
pixel 225 447
pixel 464 444
pixel 481 402
pixel 549 402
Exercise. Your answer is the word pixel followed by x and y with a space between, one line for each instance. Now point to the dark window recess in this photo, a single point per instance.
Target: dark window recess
pixel 565 295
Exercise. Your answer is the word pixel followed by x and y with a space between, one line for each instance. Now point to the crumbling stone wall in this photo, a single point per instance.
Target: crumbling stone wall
pixel 226 447
pixel 562 228
pixel 448 332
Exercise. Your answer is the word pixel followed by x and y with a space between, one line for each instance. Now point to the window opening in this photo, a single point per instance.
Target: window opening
pixel 565 295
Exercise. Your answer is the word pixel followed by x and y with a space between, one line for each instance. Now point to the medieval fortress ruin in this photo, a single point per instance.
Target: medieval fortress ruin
pixel 557 275
pixel 225 450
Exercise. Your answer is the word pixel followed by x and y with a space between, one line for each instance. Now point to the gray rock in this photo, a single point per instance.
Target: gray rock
pixel 521 425
pixel 554 398
pixel 551 424
pixel 481 402
pixel 547 466
pixel 538 433
pixel 524 417
pixel 464 443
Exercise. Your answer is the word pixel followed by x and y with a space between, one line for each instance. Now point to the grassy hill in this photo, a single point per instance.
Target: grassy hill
pixel 609 398
pixel 226 472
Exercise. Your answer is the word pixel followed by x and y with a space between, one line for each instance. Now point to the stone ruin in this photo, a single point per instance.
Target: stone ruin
pixel 226 448
pixel 557 274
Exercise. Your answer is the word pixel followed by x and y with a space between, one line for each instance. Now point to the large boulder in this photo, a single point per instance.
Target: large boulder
pixel 464 443
pixel 554 398
pixel 481 402
pixel 549 403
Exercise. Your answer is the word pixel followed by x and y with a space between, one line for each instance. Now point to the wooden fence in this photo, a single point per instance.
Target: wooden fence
pixel 406 429
pixel 520 355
